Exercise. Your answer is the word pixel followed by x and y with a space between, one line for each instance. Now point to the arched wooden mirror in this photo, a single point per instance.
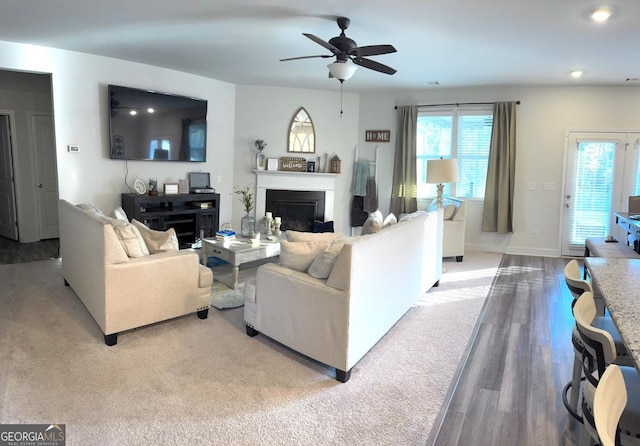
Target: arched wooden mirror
pixel 302 137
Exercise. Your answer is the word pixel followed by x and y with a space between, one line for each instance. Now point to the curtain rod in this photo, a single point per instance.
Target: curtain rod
pixel 457 104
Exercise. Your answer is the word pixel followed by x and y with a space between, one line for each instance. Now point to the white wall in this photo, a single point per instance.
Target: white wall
pixel 80 113
pixel 544 116
pixel 240 114
pixel 266 112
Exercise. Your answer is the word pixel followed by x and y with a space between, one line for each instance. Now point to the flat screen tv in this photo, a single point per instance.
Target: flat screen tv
pixel 150 125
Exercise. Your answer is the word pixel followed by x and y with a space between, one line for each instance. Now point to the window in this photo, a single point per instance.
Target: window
pixel 593 193
pixel 463 133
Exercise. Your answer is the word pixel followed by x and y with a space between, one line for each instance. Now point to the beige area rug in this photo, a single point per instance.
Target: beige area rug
pixel 223 297
pixel 205 382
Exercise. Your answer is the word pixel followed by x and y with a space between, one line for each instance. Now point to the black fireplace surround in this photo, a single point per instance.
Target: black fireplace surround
pixel 298 209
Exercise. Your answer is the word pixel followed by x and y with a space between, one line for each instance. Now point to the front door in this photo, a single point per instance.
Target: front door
pixel 601 173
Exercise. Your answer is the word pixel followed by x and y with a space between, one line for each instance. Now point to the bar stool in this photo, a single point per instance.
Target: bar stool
pixel 577 287
pixel 608 404
pixel 598 353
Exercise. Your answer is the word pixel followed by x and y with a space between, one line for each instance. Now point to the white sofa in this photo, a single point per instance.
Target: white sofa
pixel 376 279
pixel 121 292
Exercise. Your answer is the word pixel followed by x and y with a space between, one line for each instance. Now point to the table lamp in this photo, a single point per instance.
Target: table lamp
pixel 442 171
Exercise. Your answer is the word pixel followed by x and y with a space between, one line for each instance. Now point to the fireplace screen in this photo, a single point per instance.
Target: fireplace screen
pixel 297 209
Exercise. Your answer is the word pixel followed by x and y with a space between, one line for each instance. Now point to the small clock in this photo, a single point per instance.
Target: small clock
pixel 140 187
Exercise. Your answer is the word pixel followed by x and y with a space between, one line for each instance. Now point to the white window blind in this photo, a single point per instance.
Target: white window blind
pixel 464 134
pixel 593 190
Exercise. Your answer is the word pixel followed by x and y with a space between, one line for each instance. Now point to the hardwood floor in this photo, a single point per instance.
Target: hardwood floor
pixel 15 252
pixel 510 389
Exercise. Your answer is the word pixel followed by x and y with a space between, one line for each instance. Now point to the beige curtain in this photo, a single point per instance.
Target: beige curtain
pixel 404 187
pixel 497 213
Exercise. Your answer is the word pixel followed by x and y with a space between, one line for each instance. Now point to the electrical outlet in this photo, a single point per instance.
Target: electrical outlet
pixel 219 178
pixel 534 234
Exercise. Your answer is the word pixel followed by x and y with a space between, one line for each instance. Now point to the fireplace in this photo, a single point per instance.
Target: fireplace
pixel 298 209
pixel 274 181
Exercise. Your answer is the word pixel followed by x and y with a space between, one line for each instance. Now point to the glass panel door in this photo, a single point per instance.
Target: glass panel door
pixel 601 173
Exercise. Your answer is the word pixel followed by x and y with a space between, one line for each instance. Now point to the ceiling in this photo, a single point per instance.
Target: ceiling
pixel 455 43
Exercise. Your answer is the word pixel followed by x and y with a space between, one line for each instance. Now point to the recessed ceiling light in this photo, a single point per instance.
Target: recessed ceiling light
pixel 600 14
pixel 576 74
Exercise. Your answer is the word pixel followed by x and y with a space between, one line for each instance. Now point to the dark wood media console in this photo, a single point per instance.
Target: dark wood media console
pixel 182 212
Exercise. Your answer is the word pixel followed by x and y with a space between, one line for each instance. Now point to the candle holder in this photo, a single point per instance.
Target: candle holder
pixel 267 223
pixel 276 225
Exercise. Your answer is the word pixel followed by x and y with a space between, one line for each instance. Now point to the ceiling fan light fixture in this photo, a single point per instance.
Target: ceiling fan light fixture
pixel 601 14
pixel 342 70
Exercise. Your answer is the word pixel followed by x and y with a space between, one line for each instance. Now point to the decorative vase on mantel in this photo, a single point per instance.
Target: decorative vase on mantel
pixel 247 225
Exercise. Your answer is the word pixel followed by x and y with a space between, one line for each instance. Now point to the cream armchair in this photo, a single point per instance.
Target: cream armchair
pixel 122 292
pixel 454 227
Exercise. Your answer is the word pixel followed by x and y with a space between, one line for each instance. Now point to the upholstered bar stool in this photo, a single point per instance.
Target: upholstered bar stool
pixel 577 287
pixel 598 353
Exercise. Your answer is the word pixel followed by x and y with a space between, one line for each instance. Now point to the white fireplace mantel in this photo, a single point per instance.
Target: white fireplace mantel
pixel 282 180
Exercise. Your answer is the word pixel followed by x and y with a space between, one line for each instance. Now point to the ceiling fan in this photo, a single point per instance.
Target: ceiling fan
pixel 345 50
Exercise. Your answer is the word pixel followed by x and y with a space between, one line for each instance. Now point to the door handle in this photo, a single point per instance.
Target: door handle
pixel 40 185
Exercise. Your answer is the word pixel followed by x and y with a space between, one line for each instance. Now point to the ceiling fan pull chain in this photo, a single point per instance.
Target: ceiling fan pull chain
pixel 341 86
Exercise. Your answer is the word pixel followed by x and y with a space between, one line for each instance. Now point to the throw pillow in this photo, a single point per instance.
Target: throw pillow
pixel 322 226
pixel 120 214
pixel 297 236
pixel 157 241
pixel 299 255
pixel 130 238
pixel 322 264
pixel 390 220
pixel 372 224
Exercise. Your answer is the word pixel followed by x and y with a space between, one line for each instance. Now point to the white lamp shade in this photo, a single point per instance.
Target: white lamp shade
pixel 342 70
pixel 442 171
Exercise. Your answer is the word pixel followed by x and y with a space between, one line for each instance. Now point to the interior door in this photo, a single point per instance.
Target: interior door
pixel 43 143
pixel 8 226
pixel 601 172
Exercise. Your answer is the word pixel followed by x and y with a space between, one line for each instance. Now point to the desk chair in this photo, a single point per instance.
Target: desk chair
pixel 598 353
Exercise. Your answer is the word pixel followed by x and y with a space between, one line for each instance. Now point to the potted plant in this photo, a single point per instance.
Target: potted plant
pixel 248 222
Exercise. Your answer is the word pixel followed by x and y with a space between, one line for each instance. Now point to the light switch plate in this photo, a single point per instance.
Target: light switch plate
pixel 73 148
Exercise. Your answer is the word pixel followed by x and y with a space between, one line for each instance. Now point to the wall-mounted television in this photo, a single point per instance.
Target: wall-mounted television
pixel 150 125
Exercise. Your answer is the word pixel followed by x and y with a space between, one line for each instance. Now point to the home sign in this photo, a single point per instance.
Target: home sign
pixel 377 135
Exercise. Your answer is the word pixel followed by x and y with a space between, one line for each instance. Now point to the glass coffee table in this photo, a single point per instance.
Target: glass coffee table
pixel 239 251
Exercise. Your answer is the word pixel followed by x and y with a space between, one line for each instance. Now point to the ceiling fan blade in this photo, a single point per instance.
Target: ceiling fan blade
pixel 374 50
pixel 373 65
pixel 306 57
pixel 321 42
